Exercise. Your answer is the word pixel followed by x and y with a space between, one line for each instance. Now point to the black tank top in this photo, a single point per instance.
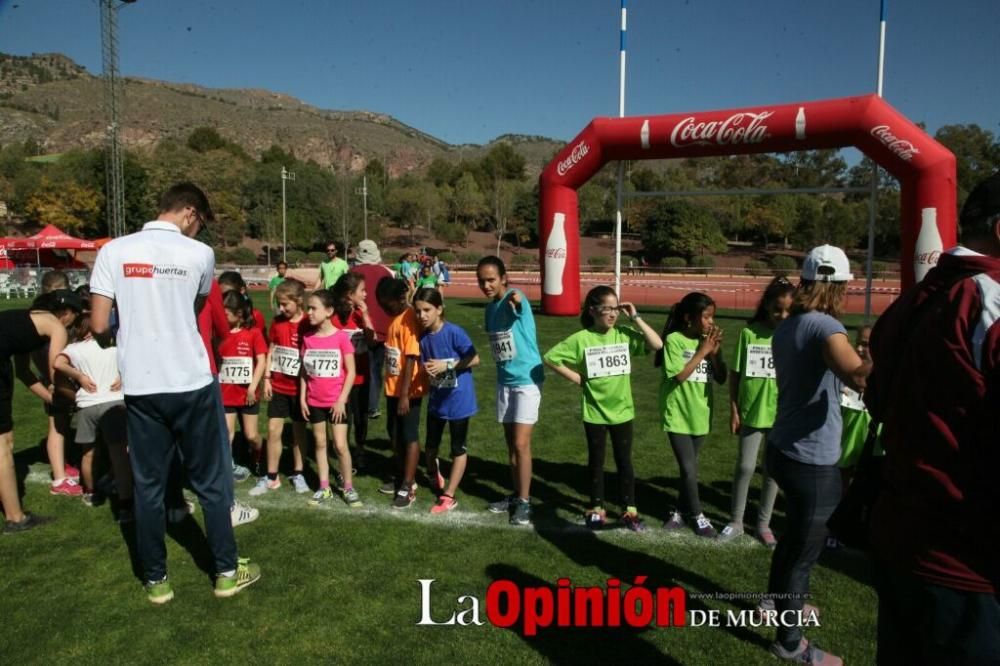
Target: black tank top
pixel 18 334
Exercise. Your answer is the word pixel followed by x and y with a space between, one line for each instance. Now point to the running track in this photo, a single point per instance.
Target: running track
pixel 740 293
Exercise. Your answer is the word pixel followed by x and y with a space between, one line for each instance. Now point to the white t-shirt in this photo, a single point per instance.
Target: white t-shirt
pixel 101 365
pixel 155 275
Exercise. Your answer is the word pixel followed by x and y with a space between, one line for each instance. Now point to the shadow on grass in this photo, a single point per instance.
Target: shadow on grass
pixel 570 645
pixel 586 550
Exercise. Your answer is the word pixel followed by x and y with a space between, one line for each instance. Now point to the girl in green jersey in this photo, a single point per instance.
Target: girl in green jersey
pixel 753 402
pixel 598 359
pixel 691 361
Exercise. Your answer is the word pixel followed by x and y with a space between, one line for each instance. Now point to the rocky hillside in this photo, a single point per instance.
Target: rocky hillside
pixel 52 99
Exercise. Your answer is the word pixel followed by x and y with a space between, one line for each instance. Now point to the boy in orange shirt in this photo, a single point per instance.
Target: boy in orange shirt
pixel 405 386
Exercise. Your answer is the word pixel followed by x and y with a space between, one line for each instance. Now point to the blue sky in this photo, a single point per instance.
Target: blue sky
pixel 468 71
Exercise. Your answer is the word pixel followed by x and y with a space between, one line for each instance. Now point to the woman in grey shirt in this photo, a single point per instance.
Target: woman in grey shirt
pixel 813 359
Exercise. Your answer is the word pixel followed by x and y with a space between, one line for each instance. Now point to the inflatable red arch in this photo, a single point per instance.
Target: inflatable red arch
pixel 924 168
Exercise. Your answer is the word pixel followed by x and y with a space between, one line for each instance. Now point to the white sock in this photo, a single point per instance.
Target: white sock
pixel 228 574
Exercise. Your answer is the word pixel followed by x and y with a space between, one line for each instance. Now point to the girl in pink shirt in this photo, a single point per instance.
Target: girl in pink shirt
pixel 326 380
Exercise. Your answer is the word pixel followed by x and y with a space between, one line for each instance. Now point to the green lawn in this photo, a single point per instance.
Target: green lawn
pixel 341 586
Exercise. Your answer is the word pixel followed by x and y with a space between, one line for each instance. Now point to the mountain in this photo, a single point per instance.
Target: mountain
pixel 52 99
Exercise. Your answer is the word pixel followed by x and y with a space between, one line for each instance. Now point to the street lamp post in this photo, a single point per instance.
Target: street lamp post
pixel 363 191
pixel 286 175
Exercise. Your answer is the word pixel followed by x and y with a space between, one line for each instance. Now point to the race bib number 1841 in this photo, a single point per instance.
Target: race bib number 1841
pixel 502 345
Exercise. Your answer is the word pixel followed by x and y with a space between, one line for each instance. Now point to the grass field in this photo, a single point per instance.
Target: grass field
pixel 341 586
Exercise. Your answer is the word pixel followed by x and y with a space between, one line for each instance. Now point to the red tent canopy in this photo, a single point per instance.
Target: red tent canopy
pixel 51 237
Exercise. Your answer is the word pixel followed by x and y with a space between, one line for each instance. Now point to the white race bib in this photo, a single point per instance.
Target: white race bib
pixel 851 399
pixel 393 357
pixel 447 379
pixel 760 361
pixel 359 342
pixel 502 345
pixel 322 362
pixel 285 361
pixel 608 361
pixel 236 370
pixel 701 373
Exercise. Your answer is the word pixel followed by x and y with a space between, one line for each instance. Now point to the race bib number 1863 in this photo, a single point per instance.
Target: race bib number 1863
pixel 608 361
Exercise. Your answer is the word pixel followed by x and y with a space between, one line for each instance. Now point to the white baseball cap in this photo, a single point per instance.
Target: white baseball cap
pixel 826 263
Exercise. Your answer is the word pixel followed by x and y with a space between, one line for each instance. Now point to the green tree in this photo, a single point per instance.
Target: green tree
pixel 204 139
pixel 681 228
pixel 468 202
pixel 977 154
pixel 67 205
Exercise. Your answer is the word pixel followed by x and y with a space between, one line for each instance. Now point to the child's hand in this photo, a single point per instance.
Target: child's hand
pixel 628 308
pixel 305 410
pixel 403 408
pixel 706 346
pixel 339 412
pixel 734 421
pixel 268 394
pixel 435 367
pixel 362 307
pixel 251 397
pixel 718 340
pixel 515 300
pixel 117 384
pixel 87 384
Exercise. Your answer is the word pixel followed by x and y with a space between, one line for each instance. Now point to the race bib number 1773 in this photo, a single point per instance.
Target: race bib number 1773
pixel 322 362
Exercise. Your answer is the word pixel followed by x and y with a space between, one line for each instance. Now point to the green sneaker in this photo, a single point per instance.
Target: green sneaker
pixel 247 574
pixel 159 592
pixel 353 499
pixel 321 496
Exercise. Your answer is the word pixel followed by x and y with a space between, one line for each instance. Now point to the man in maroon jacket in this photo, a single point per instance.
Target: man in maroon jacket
pixel 936 389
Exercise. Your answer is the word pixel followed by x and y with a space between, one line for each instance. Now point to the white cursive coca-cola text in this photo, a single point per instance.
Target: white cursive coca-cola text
pixel 904 150
pixel 742 127
pixel 580 150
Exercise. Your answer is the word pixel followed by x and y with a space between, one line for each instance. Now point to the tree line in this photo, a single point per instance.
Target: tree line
pixel 447 199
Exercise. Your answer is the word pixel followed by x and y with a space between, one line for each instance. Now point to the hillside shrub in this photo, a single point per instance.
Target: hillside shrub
pixel 757 268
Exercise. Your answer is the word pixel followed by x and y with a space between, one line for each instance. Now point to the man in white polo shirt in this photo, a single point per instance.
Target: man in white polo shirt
pixel 160 277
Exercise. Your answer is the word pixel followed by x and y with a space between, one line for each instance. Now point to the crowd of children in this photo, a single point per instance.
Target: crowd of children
pixel 312 367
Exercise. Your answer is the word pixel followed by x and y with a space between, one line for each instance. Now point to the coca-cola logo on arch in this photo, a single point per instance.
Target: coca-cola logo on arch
pixel 927 258
pixel 743 127
pixel 580 151
pixel 904 150
pixel 555 253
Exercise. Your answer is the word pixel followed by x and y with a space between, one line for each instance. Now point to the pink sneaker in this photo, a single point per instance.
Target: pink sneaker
pixel 67 487
pixel 766 537
pixel 444 504
pixel 72 472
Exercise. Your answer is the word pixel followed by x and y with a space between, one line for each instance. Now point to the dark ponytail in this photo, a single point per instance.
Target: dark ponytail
pixel 775 289
pixel 236 302
pixel 681 315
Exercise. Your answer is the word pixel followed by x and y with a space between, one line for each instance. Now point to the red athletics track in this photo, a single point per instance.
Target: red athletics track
pixel 741 293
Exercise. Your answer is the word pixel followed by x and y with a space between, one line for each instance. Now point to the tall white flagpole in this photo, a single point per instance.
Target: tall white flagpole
pixel 873 201
pixel 621 165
